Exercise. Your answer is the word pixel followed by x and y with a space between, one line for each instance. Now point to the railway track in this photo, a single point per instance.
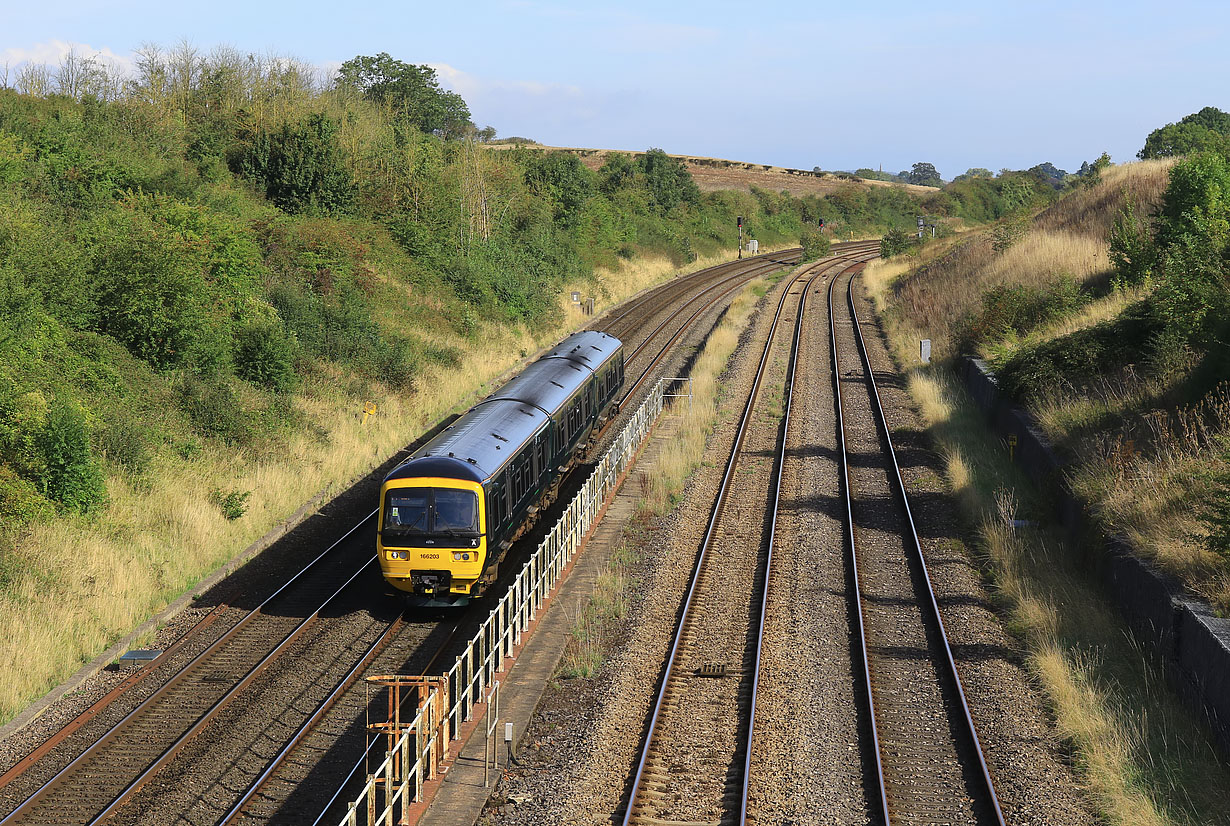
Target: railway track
pixel 128 754
pixel 54 785
pixel 693 764
pixel 928 761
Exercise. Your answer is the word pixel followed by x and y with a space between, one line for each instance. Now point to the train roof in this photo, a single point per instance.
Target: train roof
pixel 479 443
pixel 589 347
pixel 546 384
pixel 552 379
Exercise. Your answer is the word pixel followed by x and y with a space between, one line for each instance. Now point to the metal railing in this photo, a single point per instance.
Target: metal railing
pixel 398 781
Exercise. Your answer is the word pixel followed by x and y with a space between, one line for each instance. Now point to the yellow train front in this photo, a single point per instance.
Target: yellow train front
pixel 450 511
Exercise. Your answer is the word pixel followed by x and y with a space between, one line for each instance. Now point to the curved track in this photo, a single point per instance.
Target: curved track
pixel 193 693
pixel 929 766
pixel 694 763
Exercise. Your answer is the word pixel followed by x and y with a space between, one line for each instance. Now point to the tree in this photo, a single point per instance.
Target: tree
pixel 409 92
pixel 561 177
pixel 974 172
pixel 1049 174
pixel 667 179
pixel 1208 129
pixel 924 174
pixel 815 244
pixel 300 166
pixel 1132 249
pixel 894 242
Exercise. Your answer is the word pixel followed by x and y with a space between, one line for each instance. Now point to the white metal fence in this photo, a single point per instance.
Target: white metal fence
pixel 398 781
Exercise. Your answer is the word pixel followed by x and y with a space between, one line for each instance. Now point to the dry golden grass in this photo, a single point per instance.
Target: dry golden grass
pixel 87 582
pixel 1143 482
pixel 679 457
pixel 674 463
pixel 1066 239
pixel 1092 211
pixel 1143 759
pixel 1141 756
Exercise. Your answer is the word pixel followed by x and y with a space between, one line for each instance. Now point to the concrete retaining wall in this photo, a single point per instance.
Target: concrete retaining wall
pixel 1192 643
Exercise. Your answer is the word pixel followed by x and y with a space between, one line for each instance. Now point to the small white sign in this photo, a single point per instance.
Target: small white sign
pixel 924 350
pixel 576 297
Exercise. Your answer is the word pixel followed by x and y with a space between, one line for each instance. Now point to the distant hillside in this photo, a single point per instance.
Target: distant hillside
pixel 717 174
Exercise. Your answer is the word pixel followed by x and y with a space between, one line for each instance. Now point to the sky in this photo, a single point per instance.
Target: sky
pixel 877 84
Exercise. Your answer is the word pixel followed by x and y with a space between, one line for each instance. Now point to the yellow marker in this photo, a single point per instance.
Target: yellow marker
pixel 369 409
pixel 1011 447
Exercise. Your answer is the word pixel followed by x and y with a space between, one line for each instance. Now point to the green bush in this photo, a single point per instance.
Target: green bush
pixel 213 407
pixel 815 244
pixel 232 503
pixel 1132 249
pixel 124 443
pixel 265 355
pixel 20 501
pixel 300 167
pixel 894 242
pixel 70 475
pixel 1077 358
pixel 1015 310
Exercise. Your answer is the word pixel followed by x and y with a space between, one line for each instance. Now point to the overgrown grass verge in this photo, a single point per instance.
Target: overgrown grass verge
pixel 1142 757
pixel 661 487
pixel 74 585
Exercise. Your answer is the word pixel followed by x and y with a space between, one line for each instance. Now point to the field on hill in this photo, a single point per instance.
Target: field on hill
pixel 714 174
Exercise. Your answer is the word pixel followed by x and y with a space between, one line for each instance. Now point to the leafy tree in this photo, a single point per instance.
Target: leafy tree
pixel 265 355
pixel 924 174
pixel 877 175
pixel 411 92
pixel 1197 201
pixel 1090 174
pixel 894 242
pixel 1208 129
pixel 300 166
pixel 667 179
pixel 562 178
pixel 1132 249
pixel 1049 174
pixel 617 172
pixel 70 475
pixel 815 244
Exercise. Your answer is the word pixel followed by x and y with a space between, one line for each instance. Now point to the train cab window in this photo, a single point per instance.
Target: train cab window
pixel 406 510
pixel 456 510
pixel 429 510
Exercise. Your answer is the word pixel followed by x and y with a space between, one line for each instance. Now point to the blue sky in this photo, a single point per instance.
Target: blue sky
pixel 958 84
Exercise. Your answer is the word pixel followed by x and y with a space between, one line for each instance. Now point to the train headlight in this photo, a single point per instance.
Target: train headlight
pixel 466 557
pixel 456 557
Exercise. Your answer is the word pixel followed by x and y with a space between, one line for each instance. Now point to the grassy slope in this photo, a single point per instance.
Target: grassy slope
pixel 161 533
pixel 1145 758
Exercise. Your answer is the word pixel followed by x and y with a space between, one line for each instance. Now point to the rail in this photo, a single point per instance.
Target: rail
pixel 398 781
pixel 916 547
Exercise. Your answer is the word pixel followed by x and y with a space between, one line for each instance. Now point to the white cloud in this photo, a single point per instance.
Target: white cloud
pixel 53 52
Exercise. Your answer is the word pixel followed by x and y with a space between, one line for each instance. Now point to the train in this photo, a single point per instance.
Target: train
pixel 449 513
